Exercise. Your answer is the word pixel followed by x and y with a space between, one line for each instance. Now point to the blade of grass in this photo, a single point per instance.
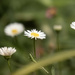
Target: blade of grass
pixel 51 59
pixel 36 62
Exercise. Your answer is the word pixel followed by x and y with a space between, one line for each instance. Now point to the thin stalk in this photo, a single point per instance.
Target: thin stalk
pixel 57 41
pixel 34 48
pixel 53 70
pixel 59 64
pixel 34 52
pixel 35 57
pixel 8 61
pixel 16 41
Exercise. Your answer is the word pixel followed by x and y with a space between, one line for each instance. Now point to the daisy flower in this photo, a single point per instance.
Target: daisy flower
pixel 14 29
pixel 35 34
pixel 72 25
pixel 4 51
pixel 57 27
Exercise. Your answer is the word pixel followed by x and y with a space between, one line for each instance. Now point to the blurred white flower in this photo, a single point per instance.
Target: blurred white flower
pixel 57 27
pixel 14 29
pixel 72 25
pixel 35 34
pixel 4 51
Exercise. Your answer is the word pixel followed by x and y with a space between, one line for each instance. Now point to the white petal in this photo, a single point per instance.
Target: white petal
pixel 7 51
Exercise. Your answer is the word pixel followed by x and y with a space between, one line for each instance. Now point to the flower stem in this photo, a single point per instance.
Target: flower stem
pixel 8 61
pixel 9 65
pixel 7 58
pixel 16 41
pixel 59 64
pixel 34 48
pixel 53 70
pixel 34 52
pixel 35 57
pixel 58 41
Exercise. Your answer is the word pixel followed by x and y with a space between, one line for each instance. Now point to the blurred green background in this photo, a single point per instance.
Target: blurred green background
pixel 33 14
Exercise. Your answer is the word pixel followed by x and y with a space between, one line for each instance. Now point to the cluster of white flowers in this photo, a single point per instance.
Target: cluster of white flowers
pixel 17 28
pixel 14 29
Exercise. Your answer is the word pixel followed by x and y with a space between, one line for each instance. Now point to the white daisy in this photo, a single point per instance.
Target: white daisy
pixel 14 29
pixel 4 51
pixel 57 27
pixel 72 25
pixel 35 34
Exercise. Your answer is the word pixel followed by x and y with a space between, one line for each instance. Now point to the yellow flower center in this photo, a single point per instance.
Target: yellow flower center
pixel 14 31
pixel 34 34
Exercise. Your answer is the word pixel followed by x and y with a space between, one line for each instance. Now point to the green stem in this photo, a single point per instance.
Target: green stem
pixel 53 70
pixel 59 64
pixel 16 40
pixel 34 48
pixel 9 65
pixel 57 41
pixel 35 56
pixel 34 73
